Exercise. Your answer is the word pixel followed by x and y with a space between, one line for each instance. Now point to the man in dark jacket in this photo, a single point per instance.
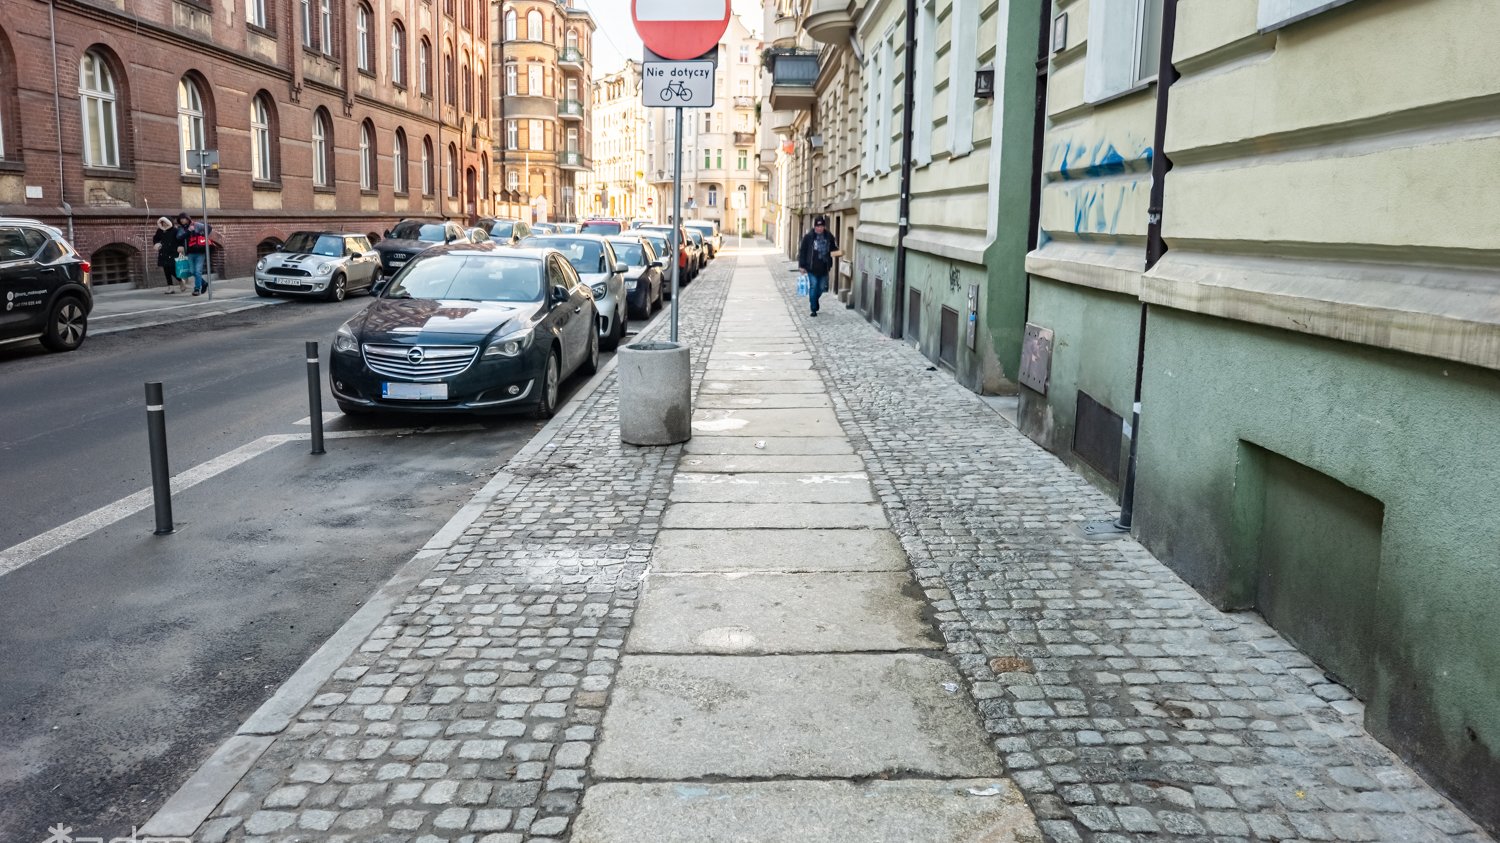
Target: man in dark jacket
pixel 815 257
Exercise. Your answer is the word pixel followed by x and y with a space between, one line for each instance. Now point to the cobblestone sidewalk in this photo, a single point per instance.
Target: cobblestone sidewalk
pixel 1124 705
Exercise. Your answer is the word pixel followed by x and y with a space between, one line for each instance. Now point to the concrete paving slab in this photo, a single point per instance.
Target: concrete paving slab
pixel 683 717
pixel 758 354
pixel 764 364
pixel 807 421
pixel 776 387
pixel 768 401
pixel 777 550
pixel 906 811
pixel 788 375
pixel 773 445
pixel 773 516
pixel 782 487
pixel 761 463
pixel 780 613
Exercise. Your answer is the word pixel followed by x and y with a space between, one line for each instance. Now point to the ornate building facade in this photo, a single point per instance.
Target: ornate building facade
pixel 619 187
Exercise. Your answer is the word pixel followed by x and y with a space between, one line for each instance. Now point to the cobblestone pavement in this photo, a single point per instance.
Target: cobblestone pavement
pixel 471 712
pixel 1123 704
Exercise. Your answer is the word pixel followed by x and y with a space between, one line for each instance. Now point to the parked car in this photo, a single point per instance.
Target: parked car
pixel 411 237
pixel 479 235
pixel 699 246
pixel 594 260
pixel 543 228
pixel 44 283
pixel 319 264
pixel 663 249
pixel 687 256
pixel 712 237
pixel 567 228
pixel 506 230
pixel 643 277
pixel 601 227
pixel 468 327
pixel 634 224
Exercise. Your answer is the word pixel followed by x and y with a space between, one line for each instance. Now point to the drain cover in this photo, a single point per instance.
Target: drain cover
pixel 1103 528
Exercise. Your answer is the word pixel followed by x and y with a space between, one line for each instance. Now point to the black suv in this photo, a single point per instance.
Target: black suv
pixel 44 284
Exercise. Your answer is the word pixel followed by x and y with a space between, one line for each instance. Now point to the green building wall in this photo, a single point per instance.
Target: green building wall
pixel 1381 472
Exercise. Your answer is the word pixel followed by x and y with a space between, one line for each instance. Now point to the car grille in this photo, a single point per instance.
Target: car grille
pixel 437 361
pixel 288 271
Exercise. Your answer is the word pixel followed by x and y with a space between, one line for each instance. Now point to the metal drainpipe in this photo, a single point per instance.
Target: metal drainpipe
pixel 903 221
pixel 1166 74
pixel 62 193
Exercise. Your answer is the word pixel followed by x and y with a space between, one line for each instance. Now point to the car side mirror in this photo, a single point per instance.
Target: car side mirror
pixel 378 287
pixel 387 234
pixel 620 270
pixel 656 264
pixel 559 294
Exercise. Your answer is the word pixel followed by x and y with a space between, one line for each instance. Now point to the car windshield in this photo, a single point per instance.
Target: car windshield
pixel 587 256
pixel 469 278
pixel 600 227
pixel 630 252
pixel 658 243
pixel 502 229
pixel 432 232
pixel 696 237
pixel 307 243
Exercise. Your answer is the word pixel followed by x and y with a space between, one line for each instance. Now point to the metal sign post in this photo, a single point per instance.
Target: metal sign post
pixel 205 158
pixel 676 220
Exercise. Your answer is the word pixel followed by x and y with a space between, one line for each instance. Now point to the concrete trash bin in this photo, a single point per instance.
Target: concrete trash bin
pixel 655 393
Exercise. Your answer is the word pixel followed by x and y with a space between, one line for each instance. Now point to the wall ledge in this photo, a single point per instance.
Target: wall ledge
pixel 1112 267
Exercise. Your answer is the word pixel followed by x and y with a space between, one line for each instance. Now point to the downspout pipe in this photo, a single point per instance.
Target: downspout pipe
pixel 62 192
pixel 903 214
pixel 1156 246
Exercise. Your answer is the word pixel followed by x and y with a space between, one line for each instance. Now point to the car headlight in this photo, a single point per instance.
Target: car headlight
pixel 344 340
pixel 510 346
pixel 325 269
pixel 600 289
pixel 261 266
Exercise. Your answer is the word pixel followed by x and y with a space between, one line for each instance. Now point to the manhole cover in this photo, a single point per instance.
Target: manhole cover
pixel 1103 528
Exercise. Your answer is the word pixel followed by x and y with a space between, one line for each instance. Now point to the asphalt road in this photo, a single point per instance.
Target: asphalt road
pixel 129 657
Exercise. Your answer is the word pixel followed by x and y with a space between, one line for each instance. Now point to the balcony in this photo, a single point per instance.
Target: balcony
pixel 570 160
pixel 746 103
pixel 829 21
pixel 570 59
pixel 793 76
pixel 570 110
pixel 784 31
pixel 744 139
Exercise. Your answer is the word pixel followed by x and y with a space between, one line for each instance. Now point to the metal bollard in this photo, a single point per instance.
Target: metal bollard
pixel 314 397
pixel 161 475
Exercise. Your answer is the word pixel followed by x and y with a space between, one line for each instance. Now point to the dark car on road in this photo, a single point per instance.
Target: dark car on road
pixel 643 277
pixel 322 264
pixel 602 227
pixel 44 285
pixel 468 327
pixel 663 248
pixel 506 231
pixel 411 237
pixel 687 254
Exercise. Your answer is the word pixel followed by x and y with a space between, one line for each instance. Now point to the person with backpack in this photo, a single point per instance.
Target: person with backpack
pixel 815 257
pixel 193 238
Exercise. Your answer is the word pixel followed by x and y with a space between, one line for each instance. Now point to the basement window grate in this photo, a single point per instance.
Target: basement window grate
pixel 914 316
pixel 1096 436
pixel 948 338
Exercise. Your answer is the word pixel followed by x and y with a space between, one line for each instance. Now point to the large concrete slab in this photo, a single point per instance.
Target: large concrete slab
pixel 788 375
pixel 807 421
pixel 772 516
pixel 737 355
pixel 762 463
pixel 774 445
pixel 906 811
pixel 684 717
pixel 776 401
pixel 779 387
pixel 777 550
pixel 706 487
pixel 764 364
pixel 780 613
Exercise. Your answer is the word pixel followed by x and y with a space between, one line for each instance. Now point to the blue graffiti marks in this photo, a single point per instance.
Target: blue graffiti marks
pixel 1074 160
pixel 1097 208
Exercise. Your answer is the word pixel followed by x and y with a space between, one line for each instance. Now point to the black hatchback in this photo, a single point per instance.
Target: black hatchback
pixel 468 327
pixel 44 285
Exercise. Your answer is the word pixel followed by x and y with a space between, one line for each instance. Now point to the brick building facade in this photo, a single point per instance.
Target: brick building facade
pixel 337 114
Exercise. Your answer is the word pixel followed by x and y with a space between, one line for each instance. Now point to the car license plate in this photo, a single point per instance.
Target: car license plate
pixel 415 391
pixel 630 285
pixel 397 261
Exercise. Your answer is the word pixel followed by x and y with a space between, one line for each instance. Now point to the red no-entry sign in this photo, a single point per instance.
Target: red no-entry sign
pixel 680 29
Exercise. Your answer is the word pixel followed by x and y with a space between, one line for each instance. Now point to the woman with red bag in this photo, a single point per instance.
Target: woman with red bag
pixel 193 238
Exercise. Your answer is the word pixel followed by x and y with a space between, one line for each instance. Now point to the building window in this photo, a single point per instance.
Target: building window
pixel 1124 47
pixel 190 128
pixel 713 196
pixel 963 58
pixel 307 24
pixel 707 158
pixel 513 181
pixel 510 80
pixel 424 68
pixel 571 40
pixel 744 160
pixel 366 156
pixel 452 171
pixel 926 65
pixel 260 137
pixel 322 135
pixel 534 81
pixel 255 13
pixel 718 159
pixel 573 90
pixel 398 54
pixel 708 126
pixel 742 197
pixel 744 54
pixel 398 162
pixel 534 31
pixel 427 175
pixel 96 91
pixel 325 13
pixel 450 85
pixel 512 135
pixel 468 80
pixel 572 139
pixel 484 92
pixel 535 132
pixel 510 25
pixel 364 49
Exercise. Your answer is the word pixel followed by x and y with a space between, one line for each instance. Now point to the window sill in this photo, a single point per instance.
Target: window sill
pixel 367 73
pixel 324 189
pixel 401 194
pixel 368 192
pixel 206 8
pixel 257 184
pixel 193 178
pixel 319 54
pixel 108 173
pixel 12 165
pixel 260 30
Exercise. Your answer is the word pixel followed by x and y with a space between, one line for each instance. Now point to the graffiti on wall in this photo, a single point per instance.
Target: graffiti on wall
pixel 1100 178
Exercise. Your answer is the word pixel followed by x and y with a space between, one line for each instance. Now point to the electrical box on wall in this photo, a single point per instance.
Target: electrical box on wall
pixel 973 336
pixel 1036 357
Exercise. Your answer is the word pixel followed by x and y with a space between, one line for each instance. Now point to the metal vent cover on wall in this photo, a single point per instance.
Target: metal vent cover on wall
pixel 862 295
pixel 1096 436
pixel 948 338
pixel 877 310
pixel 914 316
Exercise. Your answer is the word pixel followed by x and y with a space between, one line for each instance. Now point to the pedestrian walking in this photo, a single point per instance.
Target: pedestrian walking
pixel 193 238
pixel 815 257
pixel 165 240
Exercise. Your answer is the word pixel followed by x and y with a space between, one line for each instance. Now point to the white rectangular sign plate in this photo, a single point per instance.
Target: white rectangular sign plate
pixel 677 84
pixel 674 10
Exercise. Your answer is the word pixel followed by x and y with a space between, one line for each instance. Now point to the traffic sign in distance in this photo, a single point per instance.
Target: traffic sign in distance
pixel 680 29
pixel 677 84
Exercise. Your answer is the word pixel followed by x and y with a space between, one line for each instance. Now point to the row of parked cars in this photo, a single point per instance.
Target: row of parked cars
pixel 495 323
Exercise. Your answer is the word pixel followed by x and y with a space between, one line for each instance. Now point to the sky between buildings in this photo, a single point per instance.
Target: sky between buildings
pixel 615 40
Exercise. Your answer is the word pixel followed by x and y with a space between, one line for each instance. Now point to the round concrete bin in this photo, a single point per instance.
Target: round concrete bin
pixel 655 394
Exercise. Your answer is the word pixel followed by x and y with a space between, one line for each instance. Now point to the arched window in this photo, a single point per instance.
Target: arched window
pixel 261 131
pixel 424 68
pixel 322 141
pixel 484 175
pixel 191 133
pixel 101 130
pixel 534 31
pixel 571 40
pixel 366 156
pixel 364 27
pixel 452 170
pixel 468 82
pixel 450 85
pixel 510 25
pixel 398 54
pixel 8 99
pixel 398 162
pixel 427 175
pixel 484 92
